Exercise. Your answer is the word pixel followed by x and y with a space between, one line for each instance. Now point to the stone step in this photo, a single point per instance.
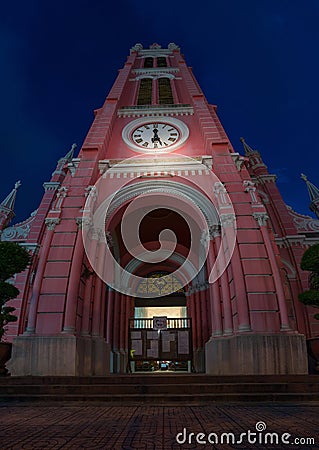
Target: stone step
pixel 162 388
pixel 154 378
pixel 168 399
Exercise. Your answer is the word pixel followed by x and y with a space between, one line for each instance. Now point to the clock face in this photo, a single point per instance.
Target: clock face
pixel 155 135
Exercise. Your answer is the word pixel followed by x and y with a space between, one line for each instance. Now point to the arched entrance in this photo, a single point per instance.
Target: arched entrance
pixel 183 301
pixel 160 331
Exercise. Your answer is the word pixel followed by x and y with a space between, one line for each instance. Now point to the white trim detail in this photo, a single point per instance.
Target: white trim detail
pixel 155 111
pixel 168 186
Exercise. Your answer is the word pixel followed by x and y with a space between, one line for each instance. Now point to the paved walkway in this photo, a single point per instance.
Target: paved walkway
pixel 87 426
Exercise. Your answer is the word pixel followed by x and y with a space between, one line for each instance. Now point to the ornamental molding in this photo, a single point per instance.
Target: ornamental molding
pixel 19 231
pixel 51 186
pixel 249 187
pixel 262 179
pixel 264 197
pixel 73 165
pixel 32 248
pixel 156 71
pixel 238 160
pixel 168 187
pixel 291 271
pixel 304 224
pixel 154 53
pixel 153 168
pixel 155 111
pixel 291 241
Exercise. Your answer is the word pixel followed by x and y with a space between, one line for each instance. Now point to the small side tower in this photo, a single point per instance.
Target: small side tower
pixel 7 207
pixel 313 194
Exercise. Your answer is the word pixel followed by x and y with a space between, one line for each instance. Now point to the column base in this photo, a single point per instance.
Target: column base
pixel 199 360
pixel 119 361
pixel 252 354
pixel 59 356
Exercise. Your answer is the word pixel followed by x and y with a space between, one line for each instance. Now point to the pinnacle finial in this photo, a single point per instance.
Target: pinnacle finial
pixel 70 153
pixel 312 189
pixel 9 201
pixel 247 148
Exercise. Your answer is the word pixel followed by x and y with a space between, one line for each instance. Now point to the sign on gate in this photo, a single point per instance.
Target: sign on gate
pixel 160 323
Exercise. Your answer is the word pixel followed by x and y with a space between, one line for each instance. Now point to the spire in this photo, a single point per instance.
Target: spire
pixel 313 194
pixel 63 161
pixel 68 157
pixel 247 148
pixel 7 206
pixel 9 201
pixel 312 189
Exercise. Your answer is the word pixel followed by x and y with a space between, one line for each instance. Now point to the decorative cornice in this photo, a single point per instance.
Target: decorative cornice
pixel 269 178
pixel 238 160
pixel 19 231
pixel 73 165
pixel 32 248
pixel 154 71
pixel 304 224
pixel 154 167
pixel 51 185
pixel 155 111
pixel 291 241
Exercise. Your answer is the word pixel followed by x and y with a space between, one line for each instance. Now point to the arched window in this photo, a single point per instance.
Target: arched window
pixel 161 61
pixel 148 62
pixel 165 96
pixel 153 284
pixel 145 92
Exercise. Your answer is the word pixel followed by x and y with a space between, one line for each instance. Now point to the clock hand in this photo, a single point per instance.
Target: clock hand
pixel 156 137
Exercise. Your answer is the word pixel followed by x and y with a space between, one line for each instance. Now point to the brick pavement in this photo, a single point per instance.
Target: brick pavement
pixel 92 426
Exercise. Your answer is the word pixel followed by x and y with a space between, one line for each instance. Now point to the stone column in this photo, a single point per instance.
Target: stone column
pixel 262 218
pixel 228 221
pixel 109 316
pixel 32 316
pixel 74 278
pixel 225 294
pixel 86 315
pixel 215 305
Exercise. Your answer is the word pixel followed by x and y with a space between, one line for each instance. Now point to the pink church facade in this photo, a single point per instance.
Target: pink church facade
pixel 157 145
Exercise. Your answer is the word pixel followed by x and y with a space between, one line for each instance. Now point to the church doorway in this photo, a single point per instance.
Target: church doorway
pixel 160 333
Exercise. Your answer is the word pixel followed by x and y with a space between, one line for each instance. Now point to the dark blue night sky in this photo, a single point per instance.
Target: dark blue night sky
pixel 256 59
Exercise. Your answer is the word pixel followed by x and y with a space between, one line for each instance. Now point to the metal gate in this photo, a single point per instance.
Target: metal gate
pixel 155 340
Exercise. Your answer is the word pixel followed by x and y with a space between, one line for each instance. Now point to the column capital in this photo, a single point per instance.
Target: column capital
pixel 109 239
pixel 228 220
pixel 51 222
pixel 261 218
pixel 83 222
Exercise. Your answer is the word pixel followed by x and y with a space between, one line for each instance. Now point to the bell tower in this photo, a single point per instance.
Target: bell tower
pixel 157 214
